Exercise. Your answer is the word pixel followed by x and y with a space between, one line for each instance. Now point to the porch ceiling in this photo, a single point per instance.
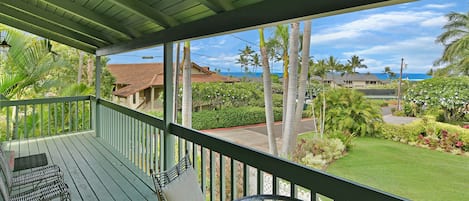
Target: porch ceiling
pixel 107 27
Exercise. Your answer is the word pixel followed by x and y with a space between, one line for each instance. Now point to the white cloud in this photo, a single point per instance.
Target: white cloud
pixel 439 6
pixel 419 53
pixel 373 23
pixel 435 22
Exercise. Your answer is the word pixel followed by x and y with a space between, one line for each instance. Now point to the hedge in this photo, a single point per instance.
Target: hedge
pixel 409 133
pixel 231 117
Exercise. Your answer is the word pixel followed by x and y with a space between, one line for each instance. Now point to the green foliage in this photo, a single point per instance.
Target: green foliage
pixel 230 117
pixel 318 152
pixel 211 96
pixel 412 133
pixel 348 111
pixel 449 94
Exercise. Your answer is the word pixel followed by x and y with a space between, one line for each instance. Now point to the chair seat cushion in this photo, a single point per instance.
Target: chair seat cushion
pixel 184 187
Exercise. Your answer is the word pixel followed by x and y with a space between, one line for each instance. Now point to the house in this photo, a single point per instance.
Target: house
pixel 351 80
pixel 139 86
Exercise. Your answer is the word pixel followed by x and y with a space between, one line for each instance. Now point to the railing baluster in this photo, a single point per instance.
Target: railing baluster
pixel 55 119
pixel 274 185
pixel 70 116
pixel 25 121
pixel 258 184
pixel 34 120
pixel 292 189
pixel 202 169
pixel 8 124
pixel 62 107
pixel 222 178
pixel 76 116
pixel 16 122
pixel 245 179
pixel 42 120
pixel 212 175
pixel 233 179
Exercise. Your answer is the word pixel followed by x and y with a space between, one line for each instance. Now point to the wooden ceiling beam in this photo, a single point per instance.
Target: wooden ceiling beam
pixel 37 30
pixel 262 14
pixel 60 21
pixel 147 12
pixel 95 18
pixel 25 17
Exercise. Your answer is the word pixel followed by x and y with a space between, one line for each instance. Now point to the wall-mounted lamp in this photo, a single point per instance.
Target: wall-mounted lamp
pixel 4 46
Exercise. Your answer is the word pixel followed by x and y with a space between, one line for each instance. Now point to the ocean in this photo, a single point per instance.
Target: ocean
pixel 381 76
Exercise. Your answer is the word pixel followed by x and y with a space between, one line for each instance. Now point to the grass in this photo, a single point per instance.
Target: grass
pixel 411 172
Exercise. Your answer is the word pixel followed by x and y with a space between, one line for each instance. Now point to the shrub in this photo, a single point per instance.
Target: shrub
pixel 230 117
pixel 348 111
pixel 449 94
pixel 429 133
pixel 318 152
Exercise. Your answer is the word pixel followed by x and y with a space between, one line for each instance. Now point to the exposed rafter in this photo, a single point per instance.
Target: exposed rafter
pixel 212 6
pixel 264 13
pixel 14 22
pixel 45 25
pixel 60 21
pixel 79 11
pixel 146 11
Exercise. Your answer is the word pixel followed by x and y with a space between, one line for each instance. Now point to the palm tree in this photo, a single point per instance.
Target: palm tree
pixel 187 86
pixel 245 58
pixel 281 35
pixel 27 63
pixel 269 112
pixel 334 65
pixel 255 61
pixel 320 68
pixel 289 140
pixel 356 62
pixel 389 72
pixel 456 42
pixel 305 60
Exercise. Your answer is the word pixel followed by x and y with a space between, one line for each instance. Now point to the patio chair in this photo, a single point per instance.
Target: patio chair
pixel 178 183
pixel 45 191
pixel 36 176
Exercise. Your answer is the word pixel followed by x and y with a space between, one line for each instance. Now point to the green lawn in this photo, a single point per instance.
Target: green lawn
pixel 411 172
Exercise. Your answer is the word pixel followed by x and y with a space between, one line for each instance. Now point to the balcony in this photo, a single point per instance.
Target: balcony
pixel 106 152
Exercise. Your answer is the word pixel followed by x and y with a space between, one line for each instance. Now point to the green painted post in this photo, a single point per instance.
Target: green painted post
pixel 98 96
pixel 169 141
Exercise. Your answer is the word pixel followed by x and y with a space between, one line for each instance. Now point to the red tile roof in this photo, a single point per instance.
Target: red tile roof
pixel 138 77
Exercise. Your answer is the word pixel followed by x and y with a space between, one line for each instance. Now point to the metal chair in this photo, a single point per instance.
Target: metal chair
pixel 36 176
pixel 46 191
pixel 164 179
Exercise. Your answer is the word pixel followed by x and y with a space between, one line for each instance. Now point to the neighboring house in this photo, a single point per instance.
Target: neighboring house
pixel 353 80
pixel 138 86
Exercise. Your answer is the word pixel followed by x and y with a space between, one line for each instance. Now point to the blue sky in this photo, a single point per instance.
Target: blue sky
pixel 381 36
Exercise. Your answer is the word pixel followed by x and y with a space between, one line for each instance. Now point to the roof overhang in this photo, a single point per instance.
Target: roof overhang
pixel 107 27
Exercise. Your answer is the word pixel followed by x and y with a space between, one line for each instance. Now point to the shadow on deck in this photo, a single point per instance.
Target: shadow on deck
pixel 92 169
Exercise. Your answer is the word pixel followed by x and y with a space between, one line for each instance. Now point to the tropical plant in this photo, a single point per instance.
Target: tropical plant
pixel 389 72
pixel 289 134
pixel 187 86
pixel 348 111
pixel 27 65
pixel 449 94
pixel 456 42
pixel 269 112
pixel 355 62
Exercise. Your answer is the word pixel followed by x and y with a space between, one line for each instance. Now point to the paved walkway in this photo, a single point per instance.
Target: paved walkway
pixel 255 136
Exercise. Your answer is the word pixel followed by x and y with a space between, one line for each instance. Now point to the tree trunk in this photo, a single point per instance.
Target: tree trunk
pixel 90 71
pixel 80 66
pixel 303 76
pixel 187 87
pixel 176 83
pixel 289 140
pixel 285 89
pixel 269 110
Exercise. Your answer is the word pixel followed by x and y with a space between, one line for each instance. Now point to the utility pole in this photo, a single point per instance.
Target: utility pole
pixel 399 87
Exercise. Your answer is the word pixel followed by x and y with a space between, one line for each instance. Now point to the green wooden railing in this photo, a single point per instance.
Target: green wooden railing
pixel 23 119
pixel 135 135
pixel 226 170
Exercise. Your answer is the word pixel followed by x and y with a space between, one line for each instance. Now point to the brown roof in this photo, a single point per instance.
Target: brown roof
pixel 140 76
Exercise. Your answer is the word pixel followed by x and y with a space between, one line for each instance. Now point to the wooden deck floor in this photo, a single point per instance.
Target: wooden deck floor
pixel 92 169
